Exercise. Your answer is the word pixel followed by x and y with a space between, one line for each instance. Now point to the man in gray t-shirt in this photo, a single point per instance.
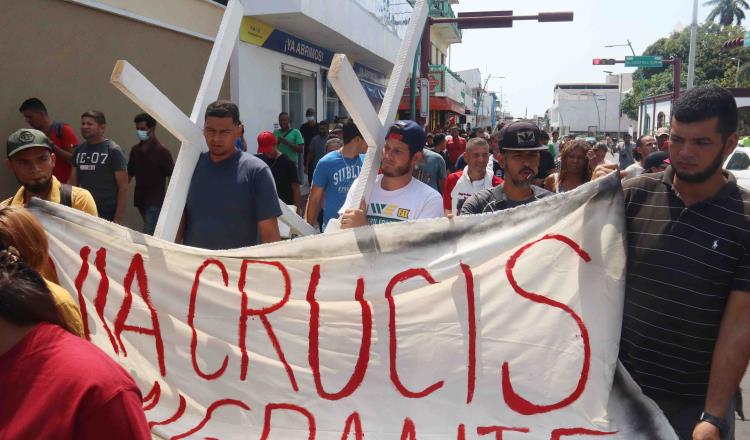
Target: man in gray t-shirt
pixel 99 166
pixel 431 170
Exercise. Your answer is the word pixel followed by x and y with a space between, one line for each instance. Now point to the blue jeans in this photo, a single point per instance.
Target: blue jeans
pixel 150 215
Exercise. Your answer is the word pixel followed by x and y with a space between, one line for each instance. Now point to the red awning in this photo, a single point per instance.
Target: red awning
pixel 437 103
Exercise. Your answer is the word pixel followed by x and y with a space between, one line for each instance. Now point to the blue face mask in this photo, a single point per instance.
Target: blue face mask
pixel 142 134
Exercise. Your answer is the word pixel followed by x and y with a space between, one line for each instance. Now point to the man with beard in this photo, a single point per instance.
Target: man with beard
pixel 397 195
pixel 685 331
pixel 31 159
pixel 519 156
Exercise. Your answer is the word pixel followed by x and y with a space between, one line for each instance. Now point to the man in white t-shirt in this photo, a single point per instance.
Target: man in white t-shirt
pixel 474 177
pixel 644 146
pixel 396 196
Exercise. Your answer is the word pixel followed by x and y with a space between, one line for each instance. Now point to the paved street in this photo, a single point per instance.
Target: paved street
pixel 743 427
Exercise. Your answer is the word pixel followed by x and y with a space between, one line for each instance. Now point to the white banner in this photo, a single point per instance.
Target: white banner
pixel 502 325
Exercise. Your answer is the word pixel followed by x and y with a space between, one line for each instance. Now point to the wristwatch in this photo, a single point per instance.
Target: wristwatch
pixel 716 421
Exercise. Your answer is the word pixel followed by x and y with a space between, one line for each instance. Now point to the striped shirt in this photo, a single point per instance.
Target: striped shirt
pixel 682 264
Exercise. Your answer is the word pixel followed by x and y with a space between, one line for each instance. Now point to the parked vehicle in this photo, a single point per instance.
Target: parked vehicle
pixel 738 163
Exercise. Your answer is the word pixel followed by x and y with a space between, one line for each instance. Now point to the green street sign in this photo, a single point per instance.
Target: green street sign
pixel 643 61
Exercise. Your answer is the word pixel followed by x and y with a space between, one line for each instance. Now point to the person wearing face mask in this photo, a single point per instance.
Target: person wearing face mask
pixel 151 165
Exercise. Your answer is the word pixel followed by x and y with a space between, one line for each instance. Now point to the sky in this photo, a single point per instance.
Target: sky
pixel 534 56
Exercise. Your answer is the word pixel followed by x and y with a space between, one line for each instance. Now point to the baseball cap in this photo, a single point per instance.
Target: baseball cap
pixel 656 159
pixel 664 131
pixel 26 138
pixel 521 135
pixel 338 127
pixel 408 132
pixel 266 142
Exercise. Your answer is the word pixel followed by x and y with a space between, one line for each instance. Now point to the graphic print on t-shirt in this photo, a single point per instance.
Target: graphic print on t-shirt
pixel 380 213
pixel 89 161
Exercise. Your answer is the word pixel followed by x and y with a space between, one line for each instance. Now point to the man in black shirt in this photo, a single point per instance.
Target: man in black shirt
pixel 686 326
pixel 519 157
pixel 284 170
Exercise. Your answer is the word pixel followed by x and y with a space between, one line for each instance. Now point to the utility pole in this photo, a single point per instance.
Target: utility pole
pixel 691 56
pixel 737 72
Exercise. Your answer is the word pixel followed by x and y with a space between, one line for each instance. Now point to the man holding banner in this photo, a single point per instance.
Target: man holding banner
pixel 686 333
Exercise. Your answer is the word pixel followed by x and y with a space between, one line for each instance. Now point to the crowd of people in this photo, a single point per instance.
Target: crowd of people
pixel 685 332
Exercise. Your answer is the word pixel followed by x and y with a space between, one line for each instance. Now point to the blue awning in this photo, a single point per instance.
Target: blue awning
pixel 374 91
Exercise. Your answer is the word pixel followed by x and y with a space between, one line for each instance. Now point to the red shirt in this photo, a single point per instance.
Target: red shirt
pixel 56 385
pixel 450 184
pixel 455 148
pixel 66 141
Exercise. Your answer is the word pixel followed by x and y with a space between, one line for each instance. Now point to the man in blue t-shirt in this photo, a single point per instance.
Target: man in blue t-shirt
pixel 333 176
pixel 232 200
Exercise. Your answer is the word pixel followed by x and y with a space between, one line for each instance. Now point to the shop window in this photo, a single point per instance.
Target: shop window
pixel 334 106
pixel 660 118
pixel 291 99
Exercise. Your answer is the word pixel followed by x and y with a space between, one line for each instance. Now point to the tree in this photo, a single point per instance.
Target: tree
pixel 727 11
pixel 713 63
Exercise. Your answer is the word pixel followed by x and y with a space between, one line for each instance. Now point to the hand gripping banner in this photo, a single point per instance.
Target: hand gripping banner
pixel 501 325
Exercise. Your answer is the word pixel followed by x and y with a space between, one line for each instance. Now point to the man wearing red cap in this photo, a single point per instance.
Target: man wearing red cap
pixel 283 169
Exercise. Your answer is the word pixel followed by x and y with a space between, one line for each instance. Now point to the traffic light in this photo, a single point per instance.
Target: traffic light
pixel 737 42
pixel 604 61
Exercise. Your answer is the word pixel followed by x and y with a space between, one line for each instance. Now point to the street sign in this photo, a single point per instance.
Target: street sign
pixel 424 97
pixel 643 61
pixel 746 43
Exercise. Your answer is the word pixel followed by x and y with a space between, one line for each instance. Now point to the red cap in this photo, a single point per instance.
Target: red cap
pixel 266 142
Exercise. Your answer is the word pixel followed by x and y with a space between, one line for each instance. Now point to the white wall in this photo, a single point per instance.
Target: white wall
pixel 576 109
pixel 257 89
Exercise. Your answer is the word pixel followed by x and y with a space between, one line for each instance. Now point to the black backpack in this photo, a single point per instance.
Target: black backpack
pixel 66 195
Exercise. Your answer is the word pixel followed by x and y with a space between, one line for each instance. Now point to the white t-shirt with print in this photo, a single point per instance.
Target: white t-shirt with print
pixel 412 202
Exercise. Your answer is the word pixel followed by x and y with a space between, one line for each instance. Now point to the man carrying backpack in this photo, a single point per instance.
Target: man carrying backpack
pixel 31 158
pixel 62 137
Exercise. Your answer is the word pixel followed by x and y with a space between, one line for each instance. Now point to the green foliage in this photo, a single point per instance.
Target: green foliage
pixel 713 63
pixel 727 11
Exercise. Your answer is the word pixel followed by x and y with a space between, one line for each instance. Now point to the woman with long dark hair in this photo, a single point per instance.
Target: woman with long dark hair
pixel 54 384
pixel 21 230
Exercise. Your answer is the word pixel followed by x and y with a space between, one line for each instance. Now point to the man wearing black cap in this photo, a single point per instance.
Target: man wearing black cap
pixel 519 157
pixel 396 196
pixel 31 159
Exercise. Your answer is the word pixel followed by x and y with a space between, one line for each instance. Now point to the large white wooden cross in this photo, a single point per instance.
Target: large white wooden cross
pixel 342 76
pixel 373 125
pixel 188 130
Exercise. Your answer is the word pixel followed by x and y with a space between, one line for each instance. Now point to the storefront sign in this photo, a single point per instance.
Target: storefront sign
pixel 260 34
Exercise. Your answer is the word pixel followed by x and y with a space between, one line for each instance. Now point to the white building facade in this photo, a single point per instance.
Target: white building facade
pixel 286 47
pixel 480 103
pixel 591 109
